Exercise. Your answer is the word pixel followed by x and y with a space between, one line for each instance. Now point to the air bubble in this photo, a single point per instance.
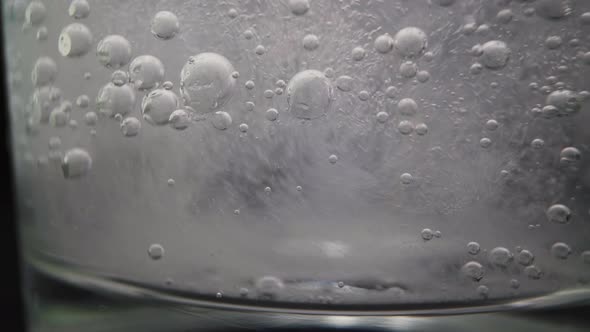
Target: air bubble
pixel 585 256
pixel 405 127
pixel 333 159
pixel 119 78
pixel 267 190
pixel 495 54
pixel 146 72
pixel 248 34
pixel 268 94
pixel 421 129
pixel 444 3
pixel 179 119
pixel 408 69
pixel 423 76
pixel 364 95
pixel 58 118
pixel 553 42
pixel 165 25
pixel 299 7
pixel 553 9
pixel 560 250
pixel 243 127
pixel 492 125
pixel 514 284
pixel 156 251
pixel 504 16
pixel 309 94
pixel 74 40
pixel 35 13
pixel 114 99
pixel 525 257
pixel 76 163
pixel 473 248
pixel 426 234
pixel 90 119
pixel 382 117
pixel 311 42
pixel 358 53
pixel 79 9
pixel 533 272
pixel 391 92
pixel 170 182
pixel 559 213
pixel 483 290
pixel 407 106
pixel 232 13
pixel 565 102
pixel 250 106
pixel 537 143
pixel 82 101
pixel 260 50
pixel 500 256
pixel 406 178
pixel 44 71
pixel 113 51
pixel 157 106
pixel 130 127
pixel 410 42
pixel 168 85
pixel 221 120
pixel 249 85
pixel 473 270
pixel 383 44
pixel 485 142
pixel 344 83
pixel 570 155
pixel 206 82
pixel 272 114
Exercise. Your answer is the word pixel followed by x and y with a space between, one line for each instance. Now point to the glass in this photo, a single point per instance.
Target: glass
pixel 303 157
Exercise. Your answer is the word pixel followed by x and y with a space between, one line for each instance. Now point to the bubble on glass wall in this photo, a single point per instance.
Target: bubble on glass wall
pixel 43 101
pixel 410 42
pixel 566 103
pixel 156 251
pixel 406 178
pixel 500 256
pixel 473 270
pixel 309 94
pixel 119 78
pixel 383 44
pixel 427 234
pixel 113 51
pixel 35 13
pixel 130 126
pixel 358 53
pixel 421 129
pixel 271 114
pixel 165 25
pixel 158 106
pixel 559 213
pixel 504 16
pixel 243 127
pixel 90 118
pixel 525 257
pixel 146 72
pixel 553 42
pixel 58 118
pixel 560 250
pixel 407 107
pixel 268 94
pixel 206 82
pixel 179 119
pixel 311 42
pixel 113 99
pixel 495 54
pixel 333 159
pixel 405 127
pixel 74 40
pixel 79 9
pixel 299 7
pixel 221 120
pixel 473 248
pixel 382 117
pixel 44 71
pixel 344 83
pixel 260 50
pixel 408 69
pixel 76 163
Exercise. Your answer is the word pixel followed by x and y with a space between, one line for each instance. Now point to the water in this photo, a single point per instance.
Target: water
pixel 305 156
